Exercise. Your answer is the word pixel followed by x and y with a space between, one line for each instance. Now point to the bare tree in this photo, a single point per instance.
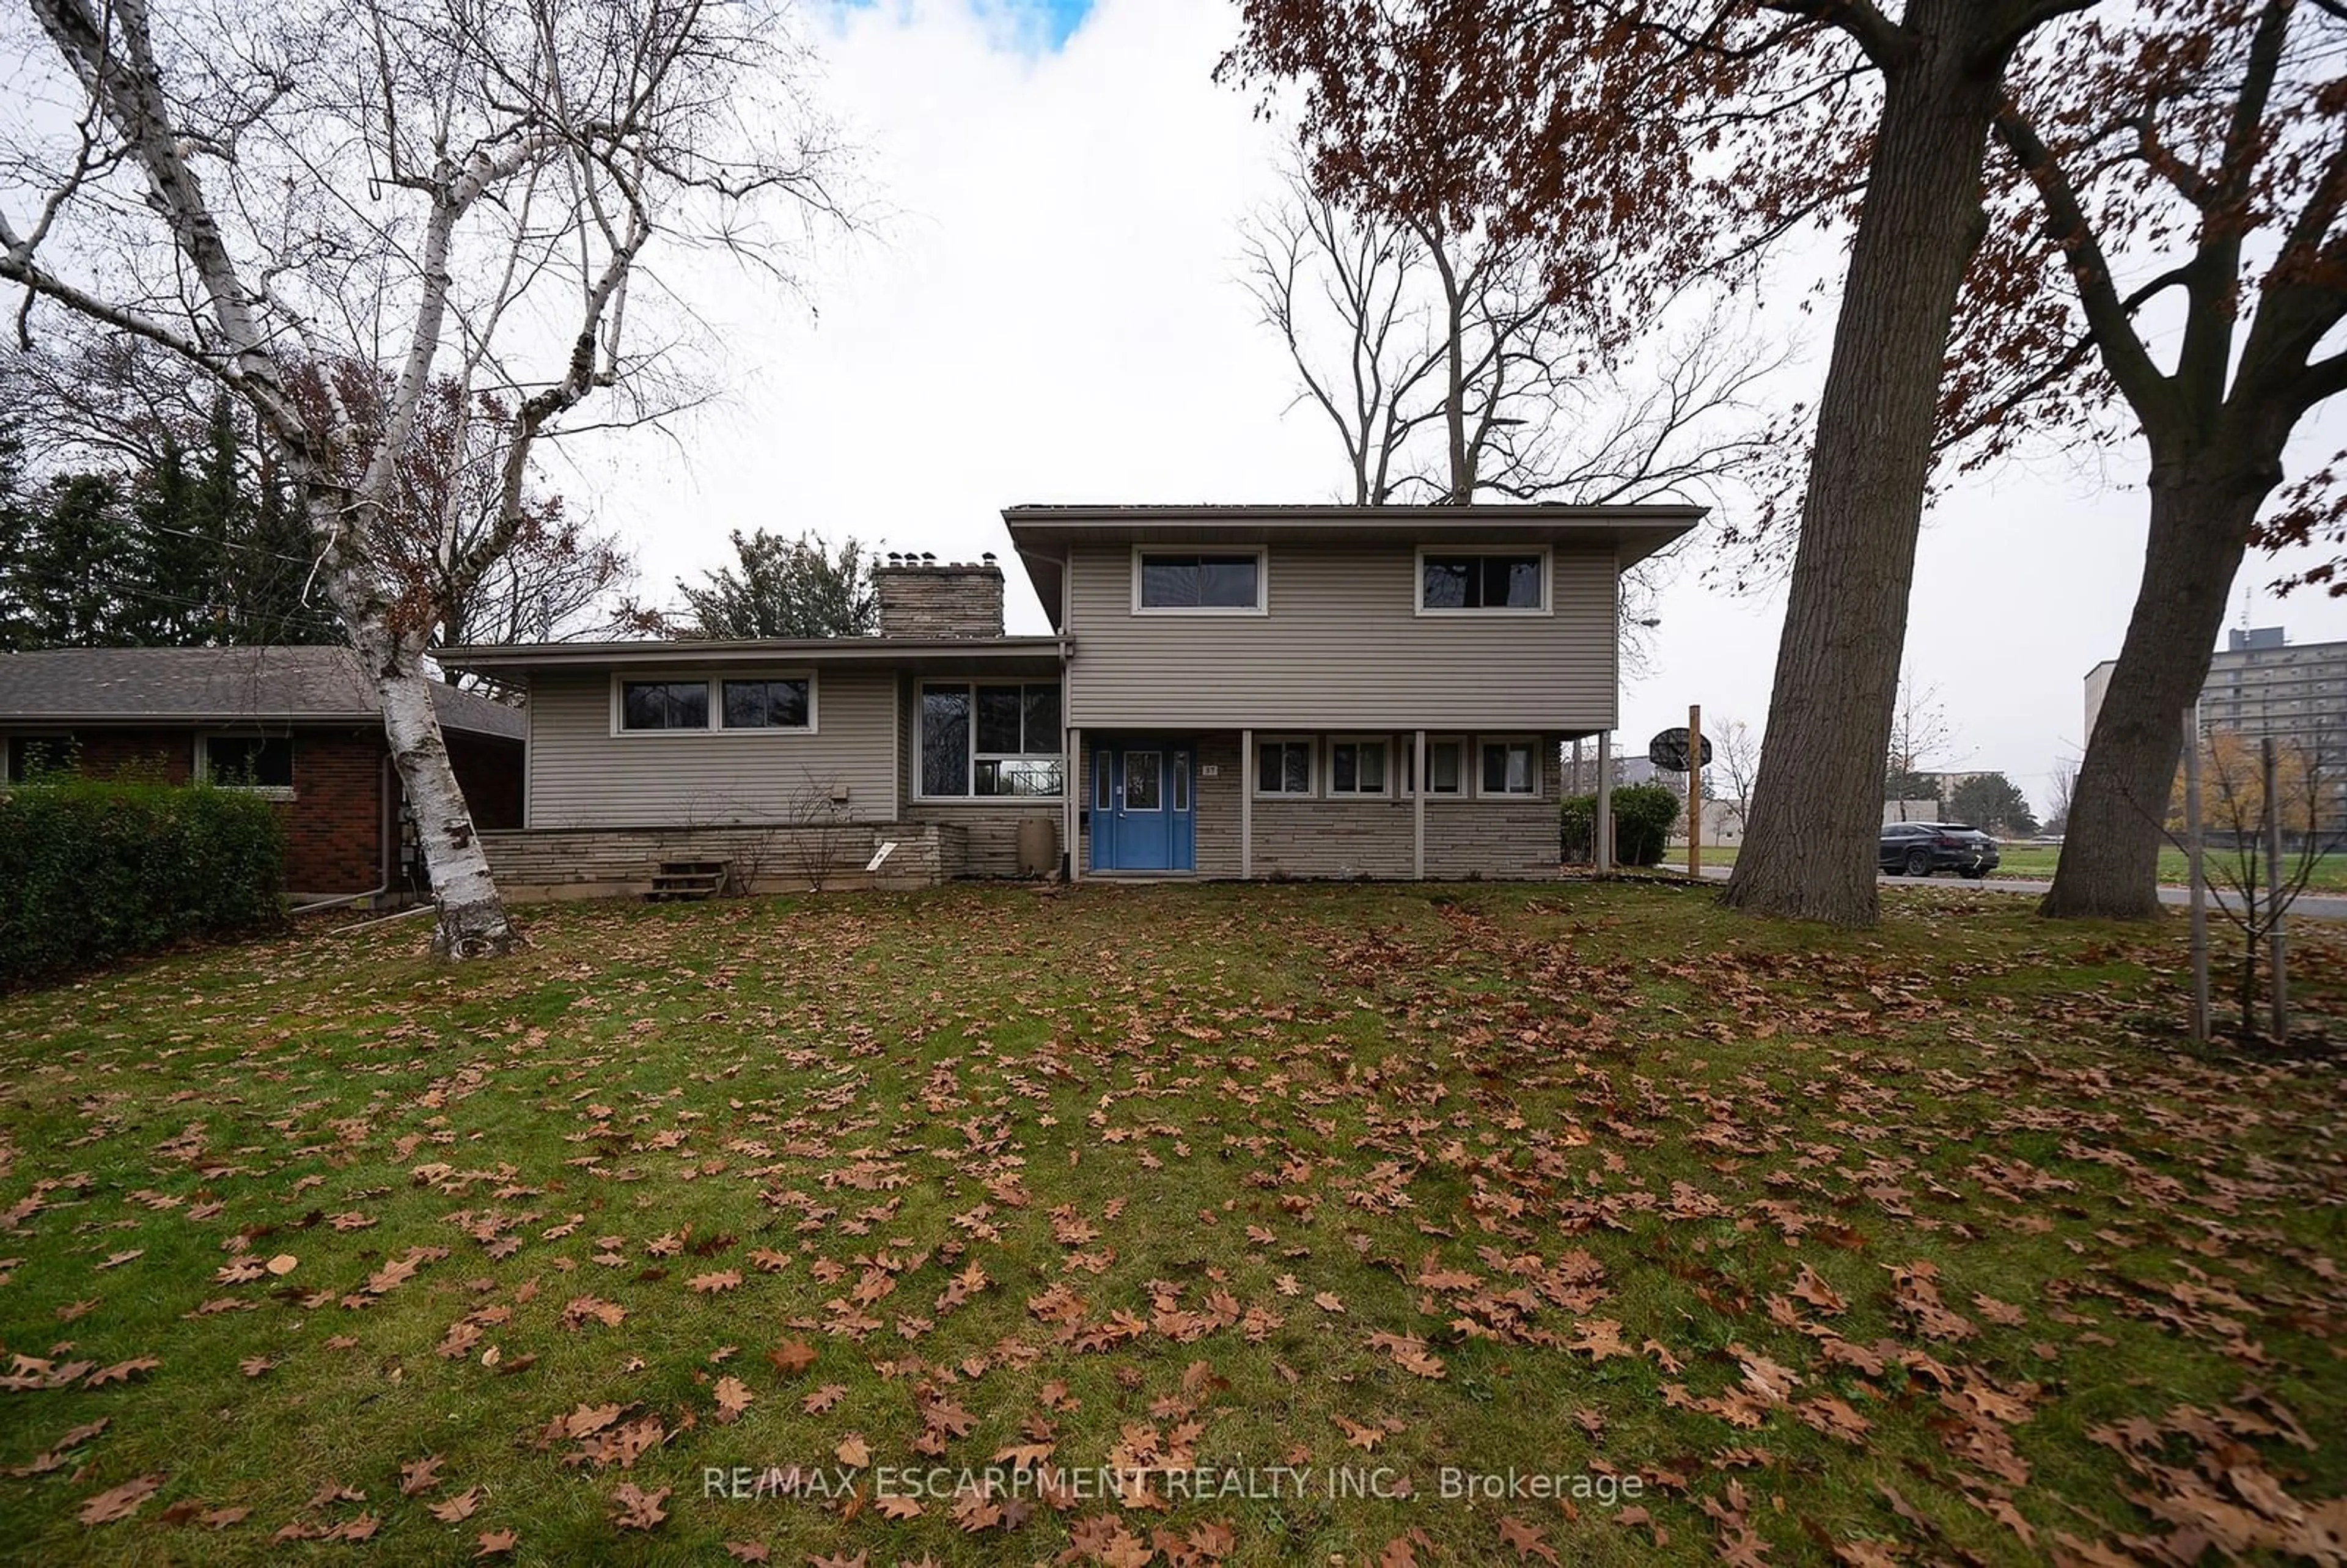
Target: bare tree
pixel 439 187
pixel 1735 754
pixel 1450 373
pixel 2062 784
pixel 1920 736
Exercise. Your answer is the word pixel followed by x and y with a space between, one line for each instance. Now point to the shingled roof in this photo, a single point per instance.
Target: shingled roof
pixel 217 685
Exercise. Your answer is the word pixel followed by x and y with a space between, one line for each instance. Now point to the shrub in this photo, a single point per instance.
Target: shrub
pixel 1643 816
pixel 93 870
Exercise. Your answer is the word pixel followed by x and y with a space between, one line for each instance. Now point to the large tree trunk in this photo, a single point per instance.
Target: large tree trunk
pixel 472 921
pixel 2201 510
pixel 1817 805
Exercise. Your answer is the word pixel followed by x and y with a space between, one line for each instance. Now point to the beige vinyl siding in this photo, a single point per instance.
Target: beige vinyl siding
pixel 583 775
pixel 1341 645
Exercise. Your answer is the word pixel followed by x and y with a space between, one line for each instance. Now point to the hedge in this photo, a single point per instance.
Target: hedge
pixel 1643 817
pixel 93 870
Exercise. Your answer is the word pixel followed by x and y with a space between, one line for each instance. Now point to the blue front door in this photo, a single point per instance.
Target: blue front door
pixel 1145 816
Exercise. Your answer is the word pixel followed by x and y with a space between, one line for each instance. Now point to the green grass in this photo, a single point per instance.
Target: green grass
pixel 2034 863
pixel 1493 1123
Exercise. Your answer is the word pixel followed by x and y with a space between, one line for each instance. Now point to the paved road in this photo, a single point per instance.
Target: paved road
pixel 2320 906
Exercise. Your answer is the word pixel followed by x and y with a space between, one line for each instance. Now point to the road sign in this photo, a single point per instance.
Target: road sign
pixel 1668 751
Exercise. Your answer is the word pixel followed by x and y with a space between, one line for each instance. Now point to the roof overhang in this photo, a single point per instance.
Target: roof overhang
pixel 1043 534
pixel 884 652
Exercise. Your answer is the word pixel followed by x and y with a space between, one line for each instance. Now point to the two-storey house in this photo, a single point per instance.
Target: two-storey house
pixel 1226 691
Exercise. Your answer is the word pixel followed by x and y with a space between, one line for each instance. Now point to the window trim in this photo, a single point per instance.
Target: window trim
pixel 1311 790
pixel 203 761
pixel 1532 743
pixel 1262 605
pixel 1466 746
pixel 971 684
pixel 1547 554
pixel 1387 791
pixel 715 680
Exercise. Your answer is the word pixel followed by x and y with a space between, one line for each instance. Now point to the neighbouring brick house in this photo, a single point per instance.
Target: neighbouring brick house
pixel 299 725
pixel 1223 691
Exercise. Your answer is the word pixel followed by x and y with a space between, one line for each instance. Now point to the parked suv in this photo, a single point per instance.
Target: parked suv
pixel 1919 849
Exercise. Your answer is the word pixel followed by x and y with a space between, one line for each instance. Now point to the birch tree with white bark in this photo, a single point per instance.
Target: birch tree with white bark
pixel 464 190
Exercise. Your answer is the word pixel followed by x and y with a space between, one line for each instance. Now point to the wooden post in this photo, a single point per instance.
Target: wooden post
pixel 1574 787
pixel 2277 971
pixel 1695 790
pixel 1417 806
pixel 2194 856
pixel 1603 848
pixel 1247 804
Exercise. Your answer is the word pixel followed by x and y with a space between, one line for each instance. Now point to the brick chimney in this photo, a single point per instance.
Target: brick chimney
pixel 922 596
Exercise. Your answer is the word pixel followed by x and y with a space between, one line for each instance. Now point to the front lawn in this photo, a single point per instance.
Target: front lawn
pixel 2036 862
pixel 1203 1224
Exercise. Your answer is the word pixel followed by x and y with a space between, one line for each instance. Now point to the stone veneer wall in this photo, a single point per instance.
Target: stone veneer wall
pixel 958 599
pixel 620 862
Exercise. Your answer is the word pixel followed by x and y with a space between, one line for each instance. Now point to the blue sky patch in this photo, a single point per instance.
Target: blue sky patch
pixel 1030 25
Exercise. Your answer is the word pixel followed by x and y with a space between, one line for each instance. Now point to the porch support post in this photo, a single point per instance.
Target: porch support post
pixel 1417 806
pixel 1247 804
pixel 1604 802
pixel 1079 792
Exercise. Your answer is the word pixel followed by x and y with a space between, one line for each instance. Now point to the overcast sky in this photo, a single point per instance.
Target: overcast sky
pixel 1048 309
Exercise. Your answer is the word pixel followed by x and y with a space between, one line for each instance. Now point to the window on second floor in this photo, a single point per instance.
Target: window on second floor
pixel 1227 582
pixel 1482 581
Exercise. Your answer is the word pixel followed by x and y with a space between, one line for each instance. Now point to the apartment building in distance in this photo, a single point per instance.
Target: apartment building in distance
pixel 2261 683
